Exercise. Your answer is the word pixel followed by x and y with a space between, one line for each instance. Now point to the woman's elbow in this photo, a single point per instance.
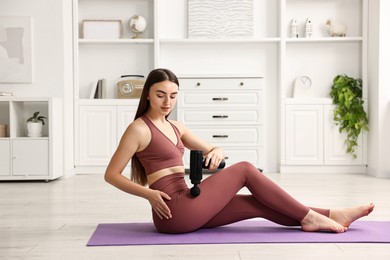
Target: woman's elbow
pixel 107 177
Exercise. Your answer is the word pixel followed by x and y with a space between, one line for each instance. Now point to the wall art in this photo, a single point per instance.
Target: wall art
pixel 220 19
pixel 16 49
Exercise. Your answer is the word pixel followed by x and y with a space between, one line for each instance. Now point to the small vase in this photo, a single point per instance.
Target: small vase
pixel 34 129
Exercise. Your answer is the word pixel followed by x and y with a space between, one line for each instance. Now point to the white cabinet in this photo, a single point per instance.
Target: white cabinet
pixel 125 115
pixel 334 150
pixel 5 151
pixel 304 141
pixel 226 112
pixel 310 141
pixel 99 132
pixel 314 142
pixel 31 158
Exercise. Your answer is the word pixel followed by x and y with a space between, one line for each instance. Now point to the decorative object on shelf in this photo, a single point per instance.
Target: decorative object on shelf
pixel 16 49
pixel 303 87
pixel 336 28
pixel 130 86
pixel 101 29
pixel 35 125
pixel 349 113
pixel 98 90
pixel 308 28
pixel 294 29
pixel 3 130
pixel 137 24
pixel 220 19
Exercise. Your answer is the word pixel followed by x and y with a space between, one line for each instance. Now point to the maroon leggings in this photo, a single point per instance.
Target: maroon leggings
pixel 219 204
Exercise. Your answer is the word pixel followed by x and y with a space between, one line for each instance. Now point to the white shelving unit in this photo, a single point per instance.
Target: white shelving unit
pixel 31 158
pixel 270 54
pixel 310 141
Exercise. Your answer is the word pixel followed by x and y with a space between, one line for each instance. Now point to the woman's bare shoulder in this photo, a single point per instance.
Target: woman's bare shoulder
pixel 138 125
pixel 137 130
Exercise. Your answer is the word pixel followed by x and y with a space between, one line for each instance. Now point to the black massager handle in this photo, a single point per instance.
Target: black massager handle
pixel 197 164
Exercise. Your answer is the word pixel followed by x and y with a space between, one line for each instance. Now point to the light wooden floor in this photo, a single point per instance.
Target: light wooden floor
pixel 54 220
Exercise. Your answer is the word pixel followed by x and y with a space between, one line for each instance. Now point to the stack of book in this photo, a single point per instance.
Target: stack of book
pixel 99 89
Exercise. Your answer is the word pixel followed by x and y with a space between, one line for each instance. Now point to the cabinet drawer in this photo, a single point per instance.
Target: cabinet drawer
pixel 220 83
pixel 220 98
pixel 220 117
pixel 230 136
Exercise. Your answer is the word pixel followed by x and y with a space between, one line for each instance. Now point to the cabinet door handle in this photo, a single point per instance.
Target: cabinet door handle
pixel 220 99
pixel 220 136
pixel 220 116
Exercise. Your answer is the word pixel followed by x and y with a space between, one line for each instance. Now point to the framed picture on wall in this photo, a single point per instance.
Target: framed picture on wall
pixel 16 49
pixel 220 19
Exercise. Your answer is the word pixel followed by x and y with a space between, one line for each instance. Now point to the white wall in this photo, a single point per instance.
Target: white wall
pixel 48 42
pixel 52 49
pixel 52 56
pixel 379 89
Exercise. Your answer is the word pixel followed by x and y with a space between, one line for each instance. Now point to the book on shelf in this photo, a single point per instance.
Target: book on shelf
pixel 98 90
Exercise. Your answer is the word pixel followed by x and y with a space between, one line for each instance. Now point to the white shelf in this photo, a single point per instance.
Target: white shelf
pixel 116 41
pixel 220 41
pixel 218 76
pixel 308 101
pixel 324 39
pixel 108 102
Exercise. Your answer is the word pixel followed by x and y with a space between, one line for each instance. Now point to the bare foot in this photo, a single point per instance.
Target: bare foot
pixel 346 216
pixel 314 221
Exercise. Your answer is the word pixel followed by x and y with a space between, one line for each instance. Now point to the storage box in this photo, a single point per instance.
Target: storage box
pixel 3 130
pixel 102 29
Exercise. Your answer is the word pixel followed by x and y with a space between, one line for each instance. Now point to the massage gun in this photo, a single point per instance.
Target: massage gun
pixel 197 164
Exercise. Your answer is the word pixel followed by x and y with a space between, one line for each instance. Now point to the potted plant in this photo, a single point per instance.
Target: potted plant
pixel 349 113
pixel 35 125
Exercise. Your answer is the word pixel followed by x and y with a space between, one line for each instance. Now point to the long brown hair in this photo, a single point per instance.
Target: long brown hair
pixel 155 76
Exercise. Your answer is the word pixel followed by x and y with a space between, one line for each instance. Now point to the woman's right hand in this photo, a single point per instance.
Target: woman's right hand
pixel 156 200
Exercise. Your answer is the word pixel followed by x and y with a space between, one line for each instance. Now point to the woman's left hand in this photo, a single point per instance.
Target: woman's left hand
pixel 156 199
pixel 214 158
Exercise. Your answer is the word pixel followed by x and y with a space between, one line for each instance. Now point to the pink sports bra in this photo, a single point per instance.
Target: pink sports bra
pixel 161 152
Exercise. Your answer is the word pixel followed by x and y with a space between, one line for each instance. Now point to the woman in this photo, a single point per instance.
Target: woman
pixel 155 146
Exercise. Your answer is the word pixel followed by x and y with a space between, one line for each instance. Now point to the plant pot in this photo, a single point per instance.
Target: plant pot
pixel 34 129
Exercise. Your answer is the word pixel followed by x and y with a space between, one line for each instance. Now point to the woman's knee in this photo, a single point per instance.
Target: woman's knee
pixel 246 165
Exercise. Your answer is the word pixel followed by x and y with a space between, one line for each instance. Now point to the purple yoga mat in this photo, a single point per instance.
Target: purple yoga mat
pixel 237 233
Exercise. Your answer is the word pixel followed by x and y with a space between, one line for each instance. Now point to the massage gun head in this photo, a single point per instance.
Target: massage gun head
pixel 195 191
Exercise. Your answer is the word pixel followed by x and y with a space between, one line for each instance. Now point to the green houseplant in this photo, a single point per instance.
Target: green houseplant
pixel 35 124
pixel 349 113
